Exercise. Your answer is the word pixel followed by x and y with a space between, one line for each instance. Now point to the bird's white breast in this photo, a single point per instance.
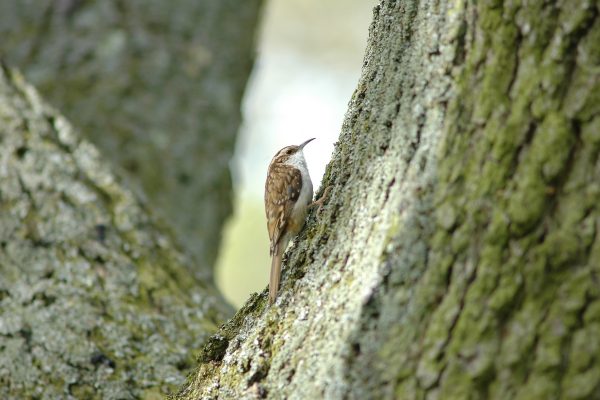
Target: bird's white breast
pixel 306 193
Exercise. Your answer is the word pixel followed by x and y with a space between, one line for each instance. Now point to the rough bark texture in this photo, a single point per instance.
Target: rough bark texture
pixel 458 255
pixel 155 84
pixel 95 300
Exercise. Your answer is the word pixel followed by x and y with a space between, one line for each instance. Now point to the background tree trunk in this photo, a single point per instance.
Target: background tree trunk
pixel 95 300
pixel 458 254
pixel 156 85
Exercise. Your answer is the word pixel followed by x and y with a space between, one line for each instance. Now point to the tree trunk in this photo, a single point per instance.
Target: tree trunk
pixel 458 255
pixel 95 300
pixel 156 85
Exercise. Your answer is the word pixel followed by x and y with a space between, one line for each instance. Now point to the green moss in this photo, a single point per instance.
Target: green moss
pixel 539 387
pixel 543 162
pixel 505 295
pixel 499 70
pixel 84 392
pixel 585 348
pixel 592 314
pixel 214 349
pixel 583 385
pixel 552 146
pixel 456 385
pixel 562 246
pixel 151 394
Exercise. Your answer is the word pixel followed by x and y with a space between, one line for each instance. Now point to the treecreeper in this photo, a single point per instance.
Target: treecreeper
pixel 288 196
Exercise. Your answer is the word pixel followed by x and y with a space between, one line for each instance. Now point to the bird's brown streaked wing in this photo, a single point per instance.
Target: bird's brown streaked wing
pixel 281 191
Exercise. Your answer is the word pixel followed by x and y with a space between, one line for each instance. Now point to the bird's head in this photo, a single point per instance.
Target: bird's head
pixel 291 154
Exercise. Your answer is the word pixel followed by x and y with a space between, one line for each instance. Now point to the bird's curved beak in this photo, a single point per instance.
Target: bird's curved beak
pixel 305 143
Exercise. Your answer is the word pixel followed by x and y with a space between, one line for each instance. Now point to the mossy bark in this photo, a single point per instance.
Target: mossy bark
pixel 458 254
pixel 156 85
pixel 96 302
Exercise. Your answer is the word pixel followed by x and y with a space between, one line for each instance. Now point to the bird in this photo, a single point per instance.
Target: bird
pixel 288 196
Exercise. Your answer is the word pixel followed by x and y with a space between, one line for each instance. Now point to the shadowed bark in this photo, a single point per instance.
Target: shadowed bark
pixel 155 84
pixel 96 302
pixel 458 254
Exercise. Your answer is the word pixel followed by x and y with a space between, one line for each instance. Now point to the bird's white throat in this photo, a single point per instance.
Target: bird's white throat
pixel 297 160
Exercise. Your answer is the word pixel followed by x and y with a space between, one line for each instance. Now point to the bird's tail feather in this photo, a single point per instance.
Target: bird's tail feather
pixel 275 275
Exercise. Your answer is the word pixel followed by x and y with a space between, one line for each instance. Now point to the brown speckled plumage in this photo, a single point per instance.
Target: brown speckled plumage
pixel 281 192
pixel 288 192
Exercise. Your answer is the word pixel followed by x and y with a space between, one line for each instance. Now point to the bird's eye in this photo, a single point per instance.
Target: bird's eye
pixel 289 151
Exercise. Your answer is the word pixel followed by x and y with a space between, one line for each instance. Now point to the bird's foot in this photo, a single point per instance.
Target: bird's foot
pixel 319 203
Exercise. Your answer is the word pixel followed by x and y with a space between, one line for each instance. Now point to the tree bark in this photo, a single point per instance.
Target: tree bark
pixel 95 300
pixel 458 254
pixel 156 85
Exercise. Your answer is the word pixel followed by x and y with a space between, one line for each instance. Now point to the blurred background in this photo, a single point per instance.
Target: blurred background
pixel 309 60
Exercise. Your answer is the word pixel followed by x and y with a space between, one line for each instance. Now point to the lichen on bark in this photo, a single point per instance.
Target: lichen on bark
pixel 457 257
pixel 96 301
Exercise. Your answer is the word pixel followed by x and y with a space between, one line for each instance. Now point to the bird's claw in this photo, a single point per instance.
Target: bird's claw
pixel 320 202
